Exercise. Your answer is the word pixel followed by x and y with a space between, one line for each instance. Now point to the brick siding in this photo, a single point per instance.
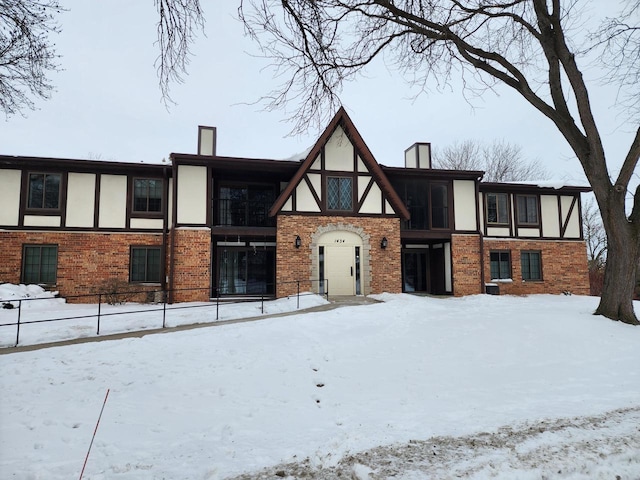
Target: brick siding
pixel 296 263
pixel 192 265
pixel 85 260
pixel 564 266
pixel 466 269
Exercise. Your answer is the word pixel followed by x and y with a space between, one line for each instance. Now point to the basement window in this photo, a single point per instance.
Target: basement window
pixel 145 265
pixel 531 264
pixel 39 264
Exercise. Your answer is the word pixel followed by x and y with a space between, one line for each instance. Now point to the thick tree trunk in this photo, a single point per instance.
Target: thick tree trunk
pixel 616 301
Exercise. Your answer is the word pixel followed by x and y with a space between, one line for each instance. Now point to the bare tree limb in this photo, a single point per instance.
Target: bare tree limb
pixel 27 54
pixel 179 21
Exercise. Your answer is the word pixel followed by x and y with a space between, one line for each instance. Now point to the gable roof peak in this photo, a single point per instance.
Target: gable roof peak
pixel 342 118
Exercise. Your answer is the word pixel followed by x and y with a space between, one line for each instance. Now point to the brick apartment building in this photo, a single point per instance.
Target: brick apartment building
pixel 336 221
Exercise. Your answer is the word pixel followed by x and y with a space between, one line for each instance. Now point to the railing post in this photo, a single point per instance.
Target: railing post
pixel 18 324
pixel 262 303
pixel 217 302
pixel 327 288
pixel 298 296
pixel 164 308
pixel 99 303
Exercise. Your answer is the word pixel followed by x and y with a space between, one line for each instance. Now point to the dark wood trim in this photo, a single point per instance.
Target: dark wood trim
pixel 367 189
pixel 243 231
pixel 485 196
pixel 26 173
pixel 478 206
pixel 560 221
pixel 519 224
pixel 324 208
pixel 579 197
pixel 64 186
pixel 341 118
pixel 80 166
pixel 412 235
pixel 523 188
pixel 450 216
pixel 313 190
pixel 131 213
pixel 96 201
pixel 565 225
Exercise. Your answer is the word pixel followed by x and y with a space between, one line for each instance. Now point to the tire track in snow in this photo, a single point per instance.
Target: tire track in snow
pixel 593 447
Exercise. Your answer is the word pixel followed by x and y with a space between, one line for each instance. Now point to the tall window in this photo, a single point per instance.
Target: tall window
pixel 246 271
pixel 500 265
pixel 531 265
pixel 527 209
pixel 439 206
pixel 145 264
pixel 39 264
pixel 321 288
pixel 339 193
pixel 412 193
pixel 44 190
pixel 245 205
pixel 497 208
pixel 147 195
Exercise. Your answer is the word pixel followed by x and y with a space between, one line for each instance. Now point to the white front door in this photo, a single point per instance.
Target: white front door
pixel 339 261
pixel 340 269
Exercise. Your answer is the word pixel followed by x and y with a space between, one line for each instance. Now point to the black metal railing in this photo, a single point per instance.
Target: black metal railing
pixel 156 301
pixel 242 213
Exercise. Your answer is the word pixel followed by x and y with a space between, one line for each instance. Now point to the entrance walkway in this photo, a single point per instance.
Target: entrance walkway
pixel 335 302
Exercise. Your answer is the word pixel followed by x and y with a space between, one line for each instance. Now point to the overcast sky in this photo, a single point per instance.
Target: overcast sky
pixel 108 103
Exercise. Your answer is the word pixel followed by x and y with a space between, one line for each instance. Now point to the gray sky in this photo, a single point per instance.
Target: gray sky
pixel 107 101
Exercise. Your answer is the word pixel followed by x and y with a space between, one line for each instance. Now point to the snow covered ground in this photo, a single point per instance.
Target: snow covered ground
pixel 81 320
pixel 475 387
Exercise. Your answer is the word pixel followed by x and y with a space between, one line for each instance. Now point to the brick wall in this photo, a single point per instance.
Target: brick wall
pixel 381 269
pixel 192 265
pixel 466 268
pixel 564 266
pixel 85 260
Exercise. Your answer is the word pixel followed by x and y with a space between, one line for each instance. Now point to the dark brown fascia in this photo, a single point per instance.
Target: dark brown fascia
pixel 433 173
pixel 341 118
pixel 530 188
pixel 78 165
pixel 236 163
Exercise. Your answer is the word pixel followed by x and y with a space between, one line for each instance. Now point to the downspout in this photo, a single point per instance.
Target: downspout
pixel 174 214
pixel 480 236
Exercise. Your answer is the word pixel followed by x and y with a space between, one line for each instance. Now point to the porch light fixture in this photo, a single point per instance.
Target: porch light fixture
pixel 384 243
pixel 298 241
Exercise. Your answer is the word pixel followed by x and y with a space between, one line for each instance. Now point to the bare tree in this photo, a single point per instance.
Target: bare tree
pixel 179 21
pixel 530 46
pixel 500 160
pixel 27 55
pixel 464 155
pixel 594 235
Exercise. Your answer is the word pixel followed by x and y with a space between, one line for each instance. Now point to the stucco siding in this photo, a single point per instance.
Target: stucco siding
pixel 81 191
pixel 113 201
pixel 464 203
pixel 338 152
pixel 9 196
pixel 550 216
pixel 192 195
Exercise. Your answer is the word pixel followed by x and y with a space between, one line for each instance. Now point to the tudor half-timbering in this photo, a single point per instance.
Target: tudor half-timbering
pixel 205 225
